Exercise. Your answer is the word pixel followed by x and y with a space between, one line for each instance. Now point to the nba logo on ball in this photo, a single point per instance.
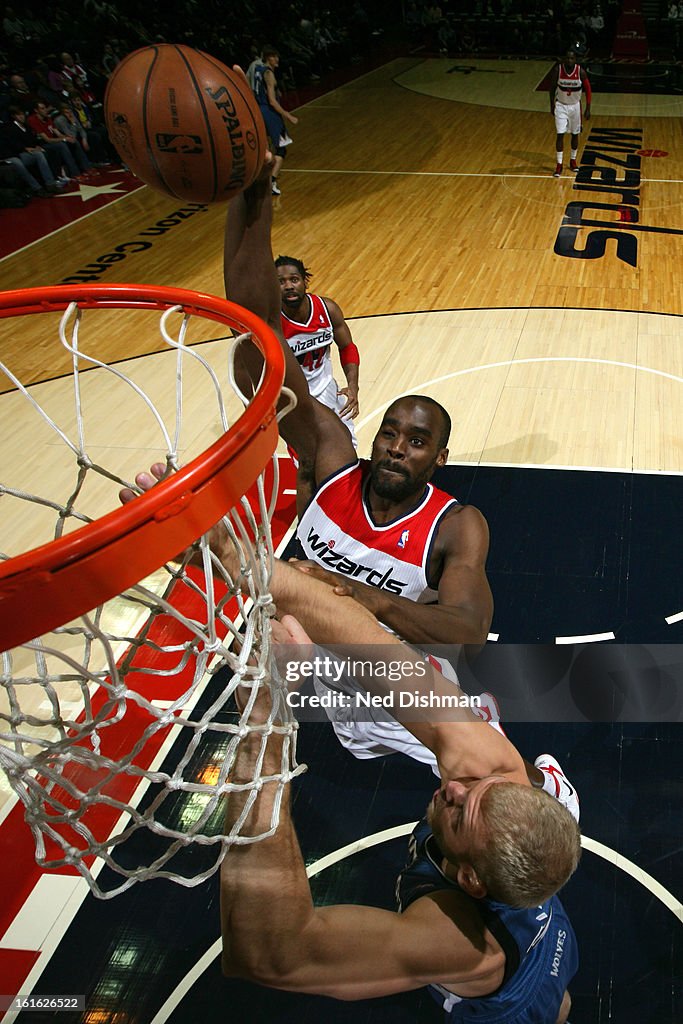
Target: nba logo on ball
pixel 179 143
pixel 184 123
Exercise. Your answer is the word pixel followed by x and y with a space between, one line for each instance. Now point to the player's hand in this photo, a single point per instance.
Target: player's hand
pixel 219 540
pixel 292 118
pixel 341 586
pixel 587 114
pixel 350 408
pixel 289 630
pixel 145 481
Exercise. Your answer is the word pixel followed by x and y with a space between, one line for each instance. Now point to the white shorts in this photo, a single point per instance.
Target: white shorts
pixel 376 733
pixel 568 118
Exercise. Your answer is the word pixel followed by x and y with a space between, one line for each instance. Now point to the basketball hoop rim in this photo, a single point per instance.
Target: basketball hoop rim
pixel 55 582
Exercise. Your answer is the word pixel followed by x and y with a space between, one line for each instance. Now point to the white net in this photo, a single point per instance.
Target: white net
pixel 119 731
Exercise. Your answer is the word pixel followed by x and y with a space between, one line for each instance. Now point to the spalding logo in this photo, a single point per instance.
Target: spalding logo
pixel 168 143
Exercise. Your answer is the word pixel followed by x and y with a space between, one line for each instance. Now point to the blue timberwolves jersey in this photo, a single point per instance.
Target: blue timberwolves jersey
pixel 538 942
pixel 260 90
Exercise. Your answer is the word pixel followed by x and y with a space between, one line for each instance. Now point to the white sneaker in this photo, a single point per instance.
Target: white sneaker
pixel 556 783
pixel 274 188
pixel 489 711
pixel 284 140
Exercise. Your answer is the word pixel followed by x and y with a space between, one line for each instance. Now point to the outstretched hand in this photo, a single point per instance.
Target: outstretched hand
pixel 339 585
pixel 145 481
pixel 218 537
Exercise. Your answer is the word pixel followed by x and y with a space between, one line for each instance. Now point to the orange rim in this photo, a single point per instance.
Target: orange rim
pixel 56 582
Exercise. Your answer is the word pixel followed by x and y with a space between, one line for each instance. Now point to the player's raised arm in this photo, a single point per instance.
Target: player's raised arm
pixel 272 932
pixel 274 935
pixel 251 281
pixel 316 434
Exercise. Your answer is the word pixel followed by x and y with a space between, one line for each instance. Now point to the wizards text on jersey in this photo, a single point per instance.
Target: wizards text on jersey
pixel 337 531
pixel 341 563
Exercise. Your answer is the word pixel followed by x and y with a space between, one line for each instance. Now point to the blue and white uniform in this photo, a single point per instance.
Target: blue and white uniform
pixel 541 955
pixel 275 125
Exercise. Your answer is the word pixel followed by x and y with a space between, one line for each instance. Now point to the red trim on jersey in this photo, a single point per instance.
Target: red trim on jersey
pixel 409 538
pixel 317 319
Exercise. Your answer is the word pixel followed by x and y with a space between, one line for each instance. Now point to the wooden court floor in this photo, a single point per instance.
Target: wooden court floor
pixel 423 202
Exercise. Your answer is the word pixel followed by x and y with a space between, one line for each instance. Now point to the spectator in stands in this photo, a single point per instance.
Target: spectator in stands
pixel 98 138
pixel 14 175
pixel 55 79
pixel 75 74
pixel 72 156
pixel 20 94
pixel 41 87
pixel 110 59
pixel 70 127
pixel 12 26
pixel 5 92
pixel 19 141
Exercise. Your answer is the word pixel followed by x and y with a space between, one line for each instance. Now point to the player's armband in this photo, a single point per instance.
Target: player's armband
pixel 349 354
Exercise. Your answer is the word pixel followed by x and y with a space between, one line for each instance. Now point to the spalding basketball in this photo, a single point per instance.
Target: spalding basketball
pixel 184 123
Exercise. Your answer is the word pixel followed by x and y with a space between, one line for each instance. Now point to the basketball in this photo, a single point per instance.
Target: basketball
pixel 184 123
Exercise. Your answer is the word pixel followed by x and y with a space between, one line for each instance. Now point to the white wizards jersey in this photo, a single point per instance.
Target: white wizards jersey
pixel 569 86
pixel 338 533
pixel 310 342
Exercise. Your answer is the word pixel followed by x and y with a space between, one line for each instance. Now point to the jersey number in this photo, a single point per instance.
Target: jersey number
pixel 312 360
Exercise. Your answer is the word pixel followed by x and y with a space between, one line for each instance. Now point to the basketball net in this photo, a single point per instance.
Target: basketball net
pixel 119 729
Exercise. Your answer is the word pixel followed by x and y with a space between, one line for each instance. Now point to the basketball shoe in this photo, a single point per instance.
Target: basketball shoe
pixel 488 711
pixel 558 171
pixel 274 188
pixel 573 166
pixel 556 783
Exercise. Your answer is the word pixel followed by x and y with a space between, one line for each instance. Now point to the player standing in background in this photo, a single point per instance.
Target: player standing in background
pixel 311 324
pixel 274 114
pixel 567 83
